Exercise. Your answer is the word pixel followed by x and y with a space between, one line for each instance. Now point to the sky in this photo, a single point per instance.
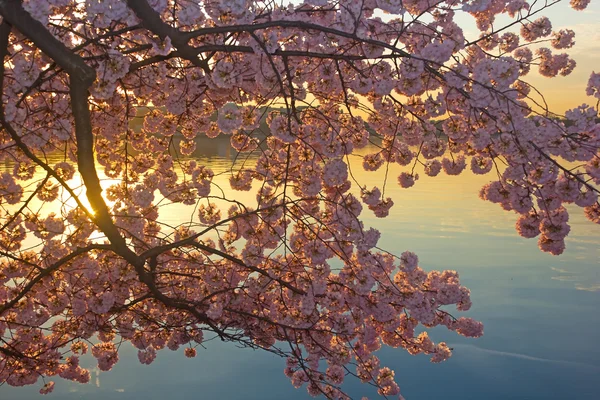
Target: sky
pixel 563 93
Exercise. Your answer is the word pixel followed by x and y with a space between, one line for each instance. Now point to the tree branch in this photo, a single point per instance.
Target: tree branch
pixel 47 271
pixel 81 77
pixel 14 13
pixel 152 21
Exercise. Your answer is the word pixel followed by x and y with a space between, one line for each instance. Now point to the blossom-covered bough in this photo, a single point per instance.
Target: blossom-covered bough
pixel 87 264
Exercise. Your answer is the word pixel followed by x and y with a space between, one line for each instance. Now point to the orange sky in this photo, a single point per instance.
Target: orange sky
pixel 563 93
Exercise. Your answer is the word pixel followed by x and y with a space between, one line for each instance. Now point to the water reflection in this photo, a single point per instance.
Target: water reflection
pixel 540 312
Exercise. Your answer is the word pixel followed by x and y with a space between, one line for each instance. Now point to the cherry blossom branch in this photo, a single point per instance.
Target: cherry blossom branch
pixel 517 21
pixel 13 12
pixel 241 263
pixel 81 78
pixel 152 21
pixel 562 168
pixel 49 270
pixel 11 353
pixel 4 32
pixel 155 251
pixel 25 203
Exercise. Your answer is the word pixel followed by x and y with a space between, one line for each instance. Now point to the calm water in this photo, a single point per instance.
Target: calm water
pixel 541 313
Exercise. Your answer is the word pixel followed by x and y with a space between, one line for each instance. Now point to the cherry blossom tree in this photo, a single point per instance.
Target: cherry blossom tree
pixel 103 102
